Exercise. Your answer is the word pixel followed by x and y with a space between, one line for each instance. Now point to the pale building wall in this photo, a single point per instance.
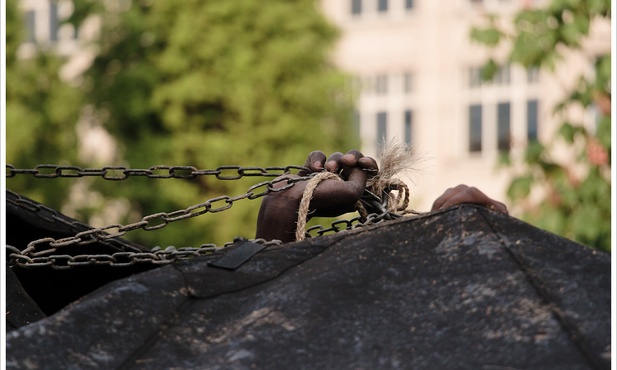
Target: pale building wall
pixel 431 41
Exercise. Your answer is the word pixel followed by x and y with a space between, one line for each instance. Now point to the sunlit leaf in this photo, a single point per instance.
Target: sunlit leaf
pixel 486 36
pixel 520 187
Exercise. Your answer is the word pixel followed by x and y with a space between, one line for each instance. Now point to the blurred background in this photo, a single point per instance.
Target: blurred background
pixel 510 96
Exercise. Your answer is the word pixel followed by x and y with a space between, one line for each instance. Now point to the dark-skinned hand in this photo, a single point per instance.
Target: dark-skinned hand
pixel 278 213
pixel 467 194
pixel 279 210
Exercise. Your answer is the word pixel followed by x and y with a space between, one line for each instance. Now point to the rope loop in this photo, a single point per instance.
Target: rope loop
pixel 303 210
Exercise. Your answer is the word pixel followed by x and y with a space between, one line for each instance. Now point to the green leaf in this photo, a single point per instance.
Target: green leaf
pixel 599 7
pixel 520 187
pixel 603 132
pixel 571 34
pixel 603 73
pixel 487 36
pixel 534 152
pixel 489 69
pixel 504 159
pixel 567 132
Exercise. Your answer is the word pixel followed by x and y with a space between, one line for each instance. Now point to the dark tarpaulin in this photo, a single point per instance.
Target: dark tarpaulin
pixel 460 289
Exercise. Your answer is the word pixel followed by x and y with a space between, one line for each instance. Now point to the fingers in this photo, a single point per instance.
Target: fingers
pixel 334 197
pixel 350 159
pixel 339 163
pixel 465 194
pixel 314 162
pixel 369 164
pixel 350 164
pixel 344 163
pixel 334 162
pixel 440 202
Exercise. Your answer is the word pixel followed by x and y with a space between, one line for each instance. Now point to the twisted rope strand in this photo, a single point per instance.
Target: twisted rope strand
pixel 303 210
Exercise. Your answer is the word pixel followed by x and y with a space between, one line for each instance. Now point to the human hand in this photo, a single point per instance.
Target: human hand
pixel 466 194
pixel 278 213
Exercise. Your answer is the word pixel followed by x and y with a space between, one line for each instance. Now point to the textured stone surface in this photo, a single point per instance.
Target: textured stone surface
pixel 460 289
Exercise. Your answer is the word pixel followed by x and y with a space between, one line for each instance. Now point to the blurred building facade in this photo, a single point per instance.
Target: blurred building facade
pixel 419 81
pixel 45 28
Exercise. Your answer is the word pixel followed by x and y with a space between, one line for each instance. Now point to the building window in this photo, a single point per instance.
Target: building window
pixel 382 6
pixel 53 21
pixel 407 82
pixel 533 75
pixel 356 7
pixel 30 26
pixel 502 77
pixel 475 77
pixel 367 85
pixel 408 126
pixel 381 84
pixel 532 120
pixel 475 128
pixel 382 129
pixel 503 127
pixel 408 4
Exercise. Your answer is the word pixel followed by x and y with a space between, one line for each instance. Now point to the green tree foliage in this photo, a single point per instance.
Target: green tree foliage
pixel 41 112
pixel 577 194
pixel 211 83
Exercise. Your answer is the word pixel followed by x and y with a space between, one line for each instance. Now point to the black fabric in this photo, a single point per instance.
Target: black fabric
pixel 20 308
pixel 460 289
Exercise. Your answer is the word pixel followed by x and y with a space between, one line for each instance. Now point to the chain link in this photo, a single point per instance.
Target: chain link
pixel 40 252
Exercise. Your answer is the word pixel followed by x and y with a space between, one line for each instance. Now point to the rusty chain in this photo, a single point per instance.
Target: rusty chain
pixel 156 256
pixel 129 255
pixel 119 173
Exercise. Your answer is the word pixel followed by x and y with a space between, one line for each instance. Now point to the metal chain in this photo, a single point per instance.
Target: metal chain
pixel 156 256
pixel 118 173
pixel 160 256
pixel 129 255
pixel 154 221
